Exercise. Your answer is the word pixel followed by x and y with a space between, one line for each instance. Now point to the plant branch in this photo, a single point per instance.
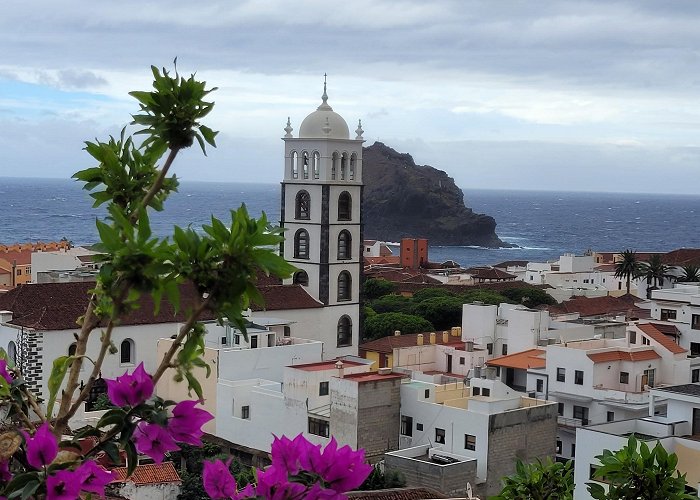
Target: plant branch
pixel 34 405
pixel 155 187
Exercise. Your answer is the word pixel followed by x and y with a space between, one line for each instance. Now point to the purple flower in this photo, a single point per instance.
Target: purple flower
pixel 186 423
pixel 93 478
pixel 3 371
pixel 5 474
pixel 286 453
pixel 218 481
pixel 64 485
pixel 342 469
pixel 42 448
pixel 274 484
pixel 318 492
pixel 153 440
pixel 130 390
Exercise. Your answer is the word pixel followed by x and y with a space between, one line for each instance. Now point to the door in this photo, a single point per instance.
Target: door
pixel 696 421
pixel 449 363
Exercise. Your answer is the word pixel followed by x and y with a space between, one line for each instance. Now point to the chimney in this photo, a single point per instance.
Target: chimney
pixel 456 331
pixel 445 337
pixel 470 345
pixel 432 337
pixel 397 333
pixel 339 367
pixel 419 340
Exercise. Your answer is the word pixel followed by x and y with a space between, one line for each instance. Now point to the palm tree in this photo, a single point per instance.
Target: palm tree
pixel 691 273
pixel 655 271
pixel 627 267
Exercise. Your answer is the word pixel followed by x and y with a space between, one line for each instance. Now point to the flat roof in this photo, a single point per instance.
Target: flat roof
pixel 373 377
pixel 326 365
pixel 688 389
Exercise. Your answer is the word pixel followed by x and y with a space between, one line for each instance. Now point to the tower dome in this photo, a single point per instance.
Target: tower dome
pixel 324 123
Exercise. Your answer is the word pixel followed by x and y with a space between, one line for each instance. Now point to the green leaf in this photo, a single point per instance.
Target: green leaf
pixel 58 373
pixel 132 457
pixel 193 384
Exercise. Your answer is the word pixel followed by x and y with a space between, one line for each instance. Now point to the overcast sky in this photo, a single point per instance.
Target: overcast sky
pixel 568 95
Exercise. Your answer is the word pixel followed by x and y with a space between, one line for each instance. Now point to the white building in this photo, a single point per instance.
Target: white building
pixel 677 429
pixel 68 259
pixel 680 307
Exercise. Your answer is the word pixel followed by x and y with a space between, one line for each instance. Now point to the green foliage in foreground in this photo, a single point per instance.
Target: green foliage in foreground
pixel 539 481
pixel 636 472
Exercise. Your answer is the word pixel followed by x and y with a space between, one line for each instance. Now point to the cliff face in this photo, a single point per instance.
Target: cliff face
pixel 402 199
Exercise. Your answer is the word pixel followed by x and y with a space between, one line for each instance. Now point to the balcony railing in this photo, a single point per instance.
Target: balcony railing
pixel 572 422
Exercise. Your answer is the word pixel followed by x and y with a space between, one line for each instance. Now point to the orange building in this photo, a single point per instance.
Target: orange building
pixel 414 252
pixel 16 260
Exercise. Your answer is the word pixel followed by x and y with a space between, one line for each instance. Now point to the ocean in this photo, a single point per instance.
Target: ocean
pixel 543 224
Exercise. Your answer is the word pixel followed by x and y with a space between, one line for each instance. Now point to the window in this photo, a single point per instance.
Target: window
pixel 645 340
pixel 334 165
pixel 489 349
pixel 485 391
pixel 295 165
pixel 343 165
pixel 237 339
pixel 406 425
pixel 19 272
pixel 253 341
pixel 624 377
pixel 245 412
pixel 344 286
pixel 561 374
pixel 540 385
pixel 648 377
pixel 558 447
pixel 301 244
pixel 302 205
pixel 695 322
pixel 461 360
pixel 695 376
pixel 633 337
pixel 305 164
pixel 427 393
pixel 560 409
pixel 581 413
pixel 323 389
pixel 344 331
pixel 419 427
pixel 476 391
pixel 344 245
pixel 126 351
pixel 504 349
pixel 695 348
pixel 301 278
pixel 271 340
pixel 353 165
pixel 578 377
pixel 573 450
pixel 12 351
pixel 287 331
pixel 344 206
pixel 469 442
pixel 317 165
pixel 611 416
pixel 439 435
pixel 667 314
pixel 319 427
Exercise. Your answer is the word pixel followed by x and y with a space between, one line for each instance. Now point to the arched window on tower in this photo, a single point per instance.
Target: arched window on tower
pixel 302 205
pixel 305 164
pixel 334 165
pixel 343 166
pixel 72 348
pixel 344 331
pixel 301 278
pixel 12 351
pixel 344 286
pixel 317 165
pixel 353 166
pixel 344 245
pixel 344 206
pixel 126 352
pixel 295 165
pixel 301 244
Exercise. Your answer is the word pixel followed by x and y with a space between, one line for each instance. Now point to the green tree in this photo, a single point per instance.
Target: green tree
pixel 655 271
pixel 374 288
pixel 392 303
pixel 431 293
pixel 691 273
pixel 442 312
pixel 530 297
pixel 379 480
pixel 539 481
pixel 635 472
pixel 384 324
pixel 627 267
pixel 485 296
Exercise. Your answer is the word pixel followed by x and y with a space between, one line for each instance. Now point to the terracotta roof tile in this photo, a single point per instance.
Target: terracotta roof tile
pixel 617 355
pixel 658 332
pixel 283 297
pixel 511 263
pixel 387 344
pixel 682 257
pixel 148 474
pixel 23 257
pixel 598 306
pixel 395 494
pixel 489 273
pixel 532 358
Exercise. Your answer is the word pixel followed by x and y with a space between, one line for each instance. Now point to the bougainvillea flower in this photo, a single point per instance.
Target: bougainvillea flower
pixel 5 474
pixel 42 448
pixel 218 481
pixel 343 469
pixel 318 492
pixel 186 423
pixel 286 453
pixel 130 389
pixel 3 371
pixel 63 485
pixel 153 440
pixel 93 478
pixel 273 484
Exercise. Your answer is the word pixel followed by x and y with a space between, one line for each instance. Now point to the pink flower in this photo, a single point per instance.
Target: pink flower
pixel 3 371
pixel 153 440
pixel 5 474
pixel 130 390
pixel 318 492
pixel 342 469
pixel 286 453
pixel 93 478
pixel 218 481
pixel 42 448
pixel 64 485
pixel 186 423
pixel 274 484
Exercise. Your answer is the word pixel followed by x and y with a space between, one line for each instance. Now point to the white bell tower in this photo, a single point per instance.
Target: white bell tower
pixel 321 211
